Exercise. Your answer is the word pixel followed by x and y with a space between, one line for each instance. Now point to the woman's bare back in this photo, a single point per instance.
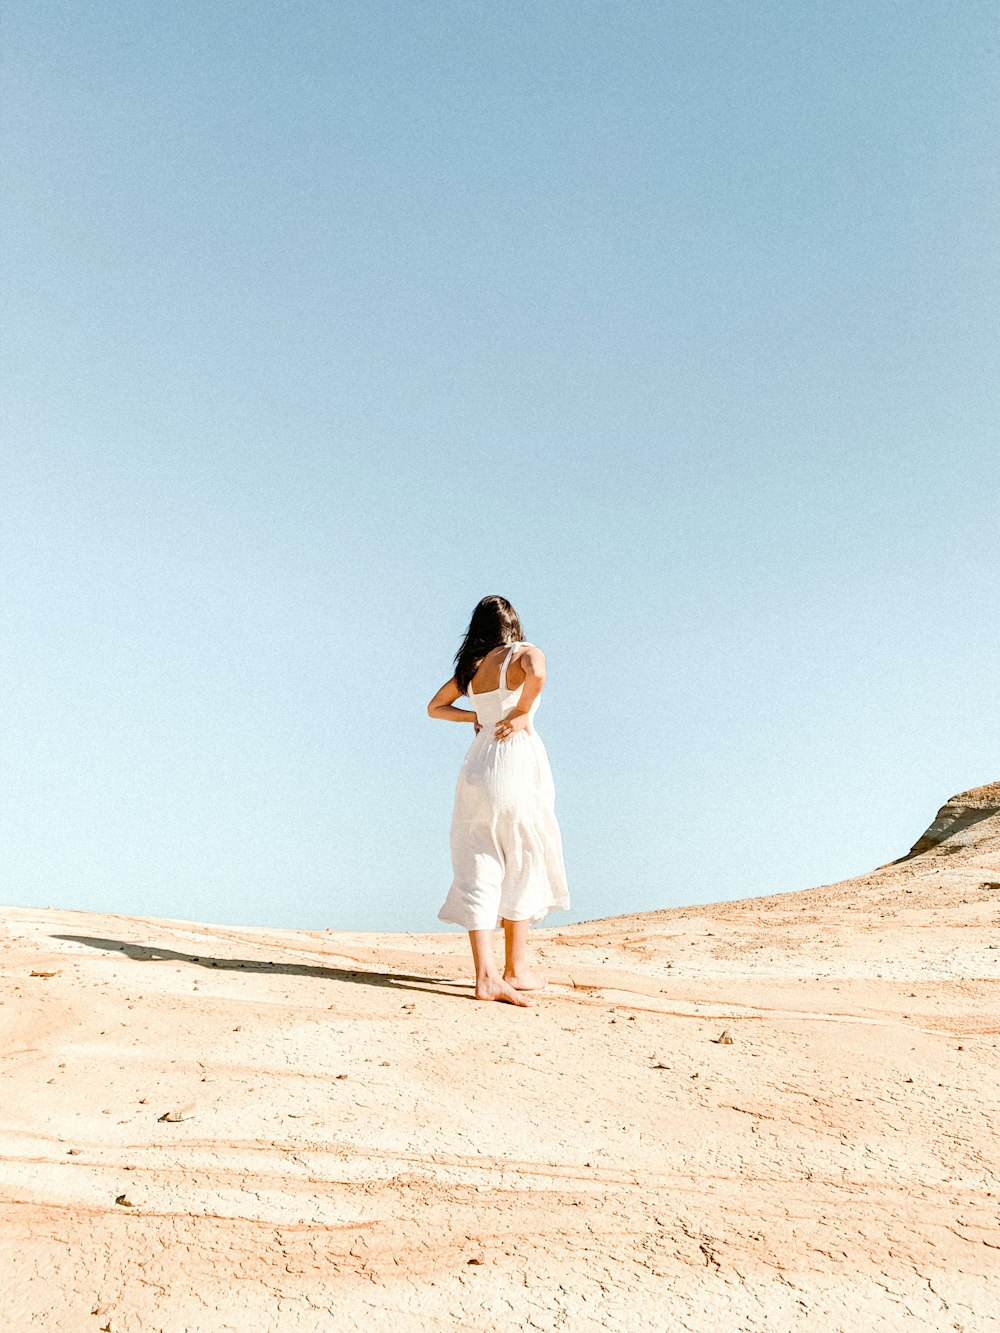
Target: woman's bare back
pixel 487 677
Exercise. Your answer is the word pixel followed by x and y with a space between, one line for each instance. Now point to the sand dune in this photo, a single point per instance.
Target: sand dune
pixel 211 1128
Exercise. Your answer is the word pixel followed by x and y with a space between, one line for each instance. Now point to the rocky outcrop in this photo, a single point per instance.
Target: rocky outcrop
pixel 968 822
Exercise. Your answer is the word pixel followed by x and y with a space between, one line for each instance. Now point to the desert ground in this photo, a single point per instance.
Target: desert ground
pixel 209 1128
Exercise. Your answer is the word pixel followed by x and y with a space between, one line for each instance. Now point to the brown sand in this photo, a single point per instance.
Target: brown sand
pixel 357 1143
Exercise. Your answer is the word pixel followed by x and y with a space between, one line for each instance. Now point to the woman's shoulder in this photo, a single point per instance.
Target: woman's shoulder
pixel 525 649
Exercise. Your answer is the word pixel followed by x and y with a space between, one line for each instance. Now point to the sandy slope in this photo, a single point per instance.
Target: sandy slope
pixel 365 1146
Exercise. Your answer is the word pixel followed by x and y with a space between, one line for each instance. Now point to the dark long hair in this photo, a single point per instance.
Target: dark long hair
pixel 493 622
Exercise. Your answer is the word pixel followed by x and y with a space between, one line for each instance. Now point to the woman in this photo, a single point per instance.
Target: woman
pixel 506 849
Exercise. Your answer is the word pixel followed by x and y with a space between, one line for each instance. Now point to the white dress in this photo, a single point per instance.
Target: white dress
pixel 506 848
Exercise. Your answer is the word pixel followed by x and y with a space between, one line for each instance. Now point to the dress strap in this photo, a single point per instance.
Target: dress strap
pixel 506 661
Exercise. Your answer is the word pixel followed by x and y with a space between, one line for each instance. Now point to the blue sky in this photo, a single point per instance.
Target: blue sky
pixel 676 324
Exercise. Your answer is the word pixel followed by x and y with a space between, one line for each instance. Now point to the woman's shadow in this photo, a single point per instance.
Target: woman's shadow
pixel 148 953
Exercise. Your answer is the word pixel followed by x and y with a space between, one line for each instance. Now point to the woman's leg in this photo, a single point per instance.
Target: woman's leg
pixel 490 985
pixel 516 971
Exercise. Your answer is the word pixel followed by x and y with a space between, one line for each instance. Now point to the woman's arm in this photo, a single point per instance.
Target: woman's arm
pixel 441 705
pixel 532 662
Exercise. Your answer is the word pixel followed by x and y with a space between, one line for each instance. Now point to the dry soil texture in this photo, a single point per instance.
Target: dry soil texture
pixel 209 1128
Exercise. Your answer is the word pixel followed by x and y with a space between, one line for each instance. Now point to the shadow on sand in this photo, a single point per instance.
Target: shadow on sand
pixel 148 953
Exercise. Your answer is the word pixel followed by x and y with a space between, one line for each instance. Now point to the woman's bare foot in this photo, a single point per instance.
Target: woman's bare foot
pixel 493 988
pixel 525 979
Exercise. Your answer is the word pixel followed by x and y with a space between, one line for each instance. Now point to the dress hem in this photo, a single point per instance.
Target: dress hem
pixel 535 916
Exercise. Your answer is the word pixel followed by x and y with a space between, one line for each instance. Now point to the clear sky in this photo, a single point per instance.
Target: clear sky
pixel 674 323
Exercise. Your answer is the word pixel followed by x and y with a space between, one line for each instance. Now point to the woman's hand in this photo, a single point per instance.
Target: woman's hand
pixel 510 725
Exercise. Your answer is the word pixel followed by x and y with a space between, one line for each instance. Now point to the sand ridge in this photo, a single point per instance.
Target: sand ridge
pixel 357 1143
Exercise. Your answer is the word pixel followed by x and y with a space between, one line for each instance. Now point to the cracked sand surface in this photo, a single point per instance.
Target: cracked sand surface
pixel 365 1146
